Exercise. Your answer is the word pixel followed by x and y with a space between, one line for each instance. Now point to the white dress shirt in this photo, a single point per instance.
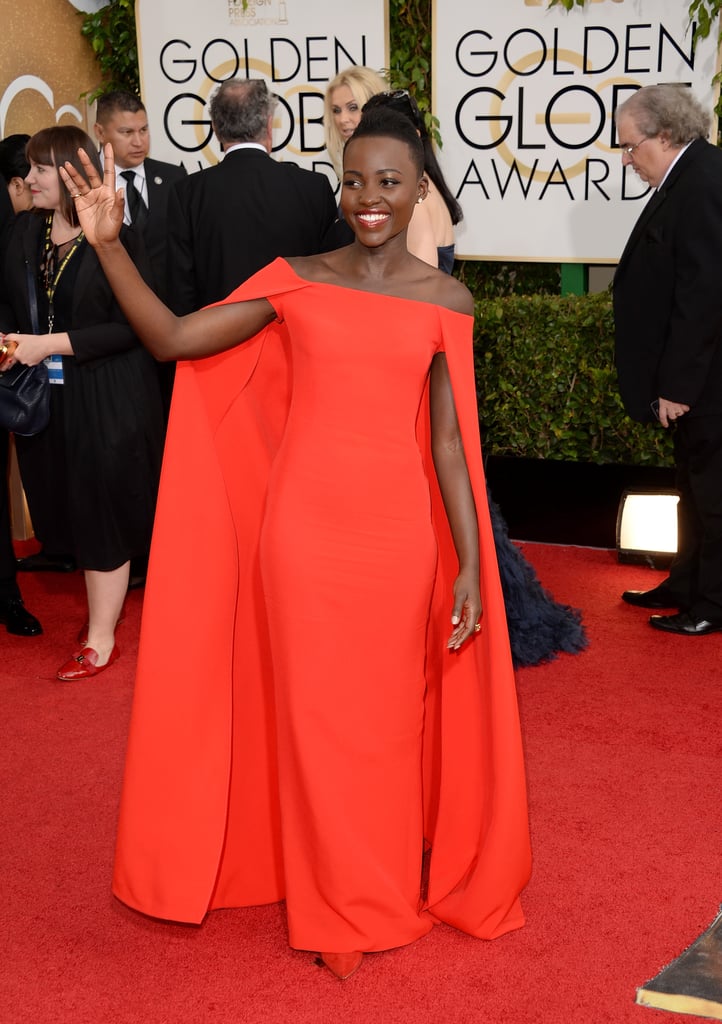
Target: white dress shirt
pixel 139 181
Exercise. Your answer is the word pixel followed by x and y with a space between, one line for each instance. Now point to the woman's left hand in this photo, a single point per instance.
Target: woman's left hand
pixel 467 610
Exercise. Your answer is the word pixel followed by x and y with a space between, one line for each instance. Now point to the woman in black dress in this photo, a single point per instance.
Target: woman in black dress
pixel 95 467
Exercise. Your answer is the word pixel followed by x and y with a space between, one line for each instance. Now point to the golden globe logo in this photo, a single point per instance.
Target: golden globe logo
pixel 541 97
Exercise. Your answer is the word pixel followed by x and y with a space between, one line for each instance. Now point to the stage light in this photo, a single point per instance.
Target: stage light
pixel 647 527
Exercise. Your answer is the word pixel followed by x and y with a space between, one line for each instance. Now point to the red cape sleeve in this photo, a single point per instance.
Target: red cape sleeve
pixel 475 785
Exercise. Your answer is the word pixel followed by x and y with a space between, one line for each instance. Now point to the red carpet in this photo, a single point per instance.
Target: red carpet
pixel 625 773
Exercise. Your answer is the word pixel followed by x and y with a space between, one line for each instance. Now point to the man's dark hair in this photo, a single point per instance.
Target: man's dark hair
pixel 116 102
pixel 13 161
pixel 240 109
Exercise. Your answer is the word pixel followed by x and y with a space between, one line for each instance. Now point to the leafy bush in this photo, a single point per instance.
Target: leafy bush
pixel 488 279
pixel 547 384
pixel 112 35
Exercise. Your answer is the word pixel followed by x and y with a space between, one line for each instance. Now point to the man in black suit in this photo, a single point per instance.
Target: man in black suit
pixel 228 221
pixel 13 613
pixel 122 121
pixel 668 317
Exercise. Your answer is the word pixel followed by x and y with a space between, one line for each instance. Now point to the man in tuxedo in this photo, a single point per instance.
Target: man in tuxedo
pixel 668 324
pixel 228 221
pixel 122 121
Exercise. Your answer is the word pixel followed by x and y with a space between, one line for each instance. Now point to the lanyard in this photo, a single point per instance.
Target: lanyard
pixel 52 285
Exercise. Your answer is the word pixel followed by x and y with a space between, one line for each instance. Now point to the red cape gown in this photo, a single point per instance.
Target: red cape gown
pixel 203 822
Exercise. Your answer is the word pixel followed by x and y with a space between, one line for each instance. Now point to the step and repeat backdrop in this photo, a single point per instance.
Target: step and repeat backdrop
pixel 297 46
pixel 525 95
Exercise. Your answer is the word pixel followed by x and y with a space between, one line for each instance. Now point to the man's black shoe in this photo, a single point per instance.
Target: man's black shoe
pixel 18 619
pixel 657 598
pixel 684 624
pixel 40 562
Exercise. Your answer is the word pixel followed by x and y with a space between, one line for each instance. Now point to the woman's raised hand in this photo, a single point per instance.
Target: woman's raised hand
pixel 99 207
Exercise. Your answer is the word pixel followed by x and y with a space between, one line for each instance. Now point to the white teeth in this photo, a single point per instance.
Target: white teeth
pixel 372 217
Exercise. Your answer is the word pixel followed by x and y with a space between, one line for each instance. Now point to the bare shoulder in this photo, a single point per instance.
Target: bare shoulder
pixel 451 293
pixel 322 267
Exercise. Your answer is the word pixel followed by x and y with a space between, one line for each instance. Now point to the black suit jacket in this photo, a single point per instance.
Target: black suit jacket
pixel 160 178
pixel 668 292
pixel 228 221
pixel 7 212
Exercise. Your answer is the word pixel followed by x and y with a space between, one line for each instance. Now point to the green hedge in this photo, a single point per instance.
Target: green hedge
pixel 547 384
pixel 488 279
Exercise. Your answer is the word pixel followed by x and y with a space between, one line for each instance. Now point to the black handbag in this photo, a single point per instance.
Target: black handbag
pixel 25 399
pixel 25 390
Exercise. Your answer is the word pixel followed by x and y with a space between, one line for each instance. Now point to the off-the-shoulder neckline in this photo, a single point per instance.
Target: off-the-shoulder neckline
pixel 365 291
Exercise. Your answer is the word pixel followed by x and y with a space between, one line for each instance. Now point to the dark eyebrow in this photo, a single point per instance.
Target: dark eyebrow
pixel 382 170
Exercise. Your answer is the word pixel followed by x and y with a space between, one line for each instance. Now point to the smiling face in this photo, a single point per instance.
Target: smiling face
pixel 651 156
pixel 129 136
pixel 381 185
pixel 44 183
pixel 345 110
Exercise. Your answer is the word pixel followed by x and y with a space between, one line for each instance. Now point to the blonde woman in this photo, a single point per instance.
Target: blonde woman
pixel 345 96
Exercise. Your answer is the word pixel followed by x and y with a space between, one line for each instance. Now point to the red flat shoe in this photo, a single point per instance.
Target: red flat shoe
pixel 85 664
pixel 343 965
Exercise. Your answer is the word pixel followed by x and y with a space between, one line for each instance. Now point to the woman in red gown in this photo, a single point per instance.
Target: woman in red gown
pixel 306 725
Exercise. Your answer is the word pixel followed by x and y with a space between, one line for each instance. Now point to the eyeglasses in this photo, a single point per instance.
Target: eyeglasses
pixel 628 150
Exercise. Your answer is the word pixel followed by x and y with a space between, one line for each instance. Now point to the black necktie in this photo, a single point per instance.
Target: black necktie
pixel 136 205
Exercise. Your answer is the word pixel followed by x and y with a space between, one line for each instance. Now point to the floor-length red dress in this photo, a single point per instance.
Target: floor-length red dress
pixel 299 729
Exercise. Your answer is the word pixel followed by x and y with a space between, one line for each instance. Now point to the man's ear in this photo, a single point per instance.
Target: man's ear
pixel 268 141
pixel 219 140
pixel 99 132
